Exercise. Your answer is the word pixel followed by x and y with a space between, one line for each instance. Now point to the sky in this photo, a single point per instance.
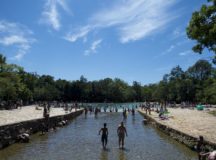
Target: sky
pixel 134 40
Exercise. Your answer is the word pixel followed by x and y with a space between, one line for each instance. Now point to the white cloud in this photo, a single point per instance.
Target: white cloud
pixel 17 36
pixel 172 47
pixel 51 15
pixel 12 39
pixel 133 19
pixel 73 36
pixel 93 47
pixel 185 53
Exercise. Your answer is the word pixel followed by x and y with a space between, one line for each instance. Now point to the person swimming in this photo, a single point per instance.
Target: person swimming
pixel 121 131
pixel 104 136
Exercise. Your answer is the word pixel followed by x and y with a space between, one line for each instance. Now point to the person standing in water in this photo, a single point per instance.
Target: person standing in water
pixel 121 131
pixel 104 137
pixel 133 111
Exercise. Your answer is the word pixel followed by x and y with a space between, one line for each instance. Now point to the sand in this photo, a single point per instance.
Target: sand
pixel 191 122
pixel 26 113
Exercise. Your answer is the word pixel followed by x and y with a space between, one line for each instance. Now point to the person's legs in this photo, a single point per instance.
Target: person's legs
pixel 102 140
pixel 119 141
pixel 106 139
pixel 104 144
pixel 122 141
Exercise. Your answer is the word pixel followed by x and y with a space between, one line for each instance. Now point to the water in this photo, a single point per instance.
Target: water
pixel 80 141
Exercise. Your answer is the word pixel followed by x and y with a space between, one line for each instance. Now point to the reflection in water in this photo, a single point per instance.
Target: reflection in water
pixel 80 141
pixel 121 154
pixel 104 154
pixel 133 120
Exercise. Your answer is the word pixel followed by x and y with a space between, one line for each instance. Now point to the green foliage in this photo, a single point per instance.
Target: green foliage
pixel 197 84
pixel 200 71
pixel 202 28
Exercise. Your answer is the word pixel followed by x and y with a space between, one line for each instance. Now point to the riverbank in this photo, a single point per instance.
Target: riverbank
pixel 30 120
pixel 186 125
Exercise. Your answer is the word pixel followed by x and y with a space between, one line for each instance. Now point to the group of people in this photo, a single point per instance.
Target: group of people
pixel 97 110
pixel 121 132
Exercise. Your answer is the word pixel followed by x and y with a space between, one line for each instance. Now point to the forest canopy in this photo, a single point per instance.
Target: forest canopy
pixel 196 84
pixel 202 28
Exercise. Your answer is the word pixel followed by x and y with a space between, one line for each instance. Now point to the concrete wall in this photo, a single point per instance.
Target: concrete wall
pixel 179 136
pixel 9 133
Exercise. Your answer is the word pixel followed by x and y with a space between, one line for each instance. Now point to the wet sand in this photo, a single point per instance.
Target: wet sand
pixel 27 113
pixel 191 122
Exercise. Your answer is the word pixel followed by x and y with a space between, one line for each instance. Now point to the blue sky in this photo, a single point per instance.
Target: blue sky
pixel 130 39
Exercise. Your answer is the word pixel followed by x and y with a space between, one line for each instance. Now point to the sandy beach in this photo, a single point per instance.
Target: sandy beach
pixel 26 113
pixel 191 122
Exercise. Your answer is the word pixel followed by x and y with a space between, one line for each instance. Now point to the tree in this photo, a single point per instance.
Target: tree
pixel 2 62
pixel 176 73
pixel 7 89
pixel 210 92
pixel 2 59
pixel 202 28
pixel 200 71
pixel 138 91
pixel 161 91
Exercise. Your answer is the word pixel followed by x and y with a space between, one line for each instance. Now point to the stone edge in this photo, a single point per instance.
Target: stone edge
pixel 179 136
pixel 9 132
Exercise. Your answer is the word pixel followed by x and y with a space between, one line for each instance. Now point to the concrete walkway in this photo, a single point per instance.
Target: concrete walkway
pixel 190 122
pixel 27 113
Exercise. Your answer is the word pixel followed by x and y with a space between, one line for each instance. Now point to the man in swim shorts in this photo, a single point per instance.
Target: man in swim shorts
pixel 121 131
pixel 104 137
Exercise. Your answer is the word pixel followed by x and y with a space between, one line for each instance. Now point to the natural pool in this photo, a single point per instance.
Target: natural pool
pixel 80 141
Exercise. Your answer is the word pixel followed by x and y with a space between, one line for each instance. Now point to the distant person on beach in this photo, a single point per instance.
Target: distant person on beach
pixel 121 131
pixel 104 136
